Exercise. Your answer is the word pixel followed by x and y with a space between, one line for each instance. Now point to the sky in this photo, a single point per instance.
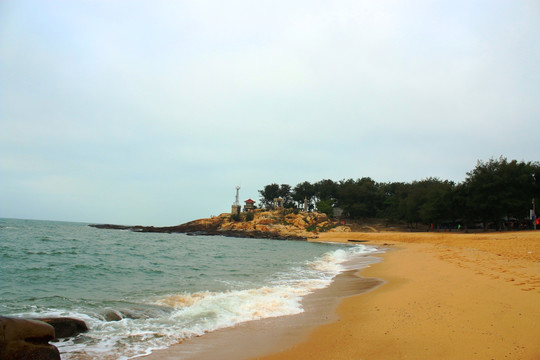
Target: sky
pixel 151 112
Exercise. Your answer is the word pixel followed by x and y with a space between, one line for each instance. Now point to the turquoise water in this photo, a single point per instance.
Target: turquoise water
pixel 142 291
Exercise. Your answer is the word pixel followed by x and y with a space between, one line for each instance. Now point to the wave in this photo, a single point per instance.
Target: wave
pixel 134 330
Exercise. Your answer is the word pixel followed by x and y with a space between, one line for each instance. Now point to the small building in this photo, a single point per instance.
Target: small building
pixel 250 205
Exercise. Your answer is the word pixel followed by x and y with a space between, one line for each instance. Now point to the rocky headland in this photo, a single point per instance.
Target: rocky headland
pixel 283 224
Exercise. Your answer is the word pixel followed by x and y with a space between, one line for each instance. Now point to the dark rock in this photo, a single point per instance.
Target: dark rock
pixel 117 315
pixel 65 327
pixel 111 226
pixel 112 315
pixel 22 339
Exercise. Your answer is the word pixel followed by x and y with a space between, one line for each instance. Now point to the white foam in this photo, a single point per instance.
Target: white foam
pixel 193 314
pixel 335 262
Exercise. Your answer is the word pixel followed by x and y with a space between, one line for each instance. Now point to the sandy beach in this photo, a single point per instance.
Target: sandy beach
pixel 444 296
pixel 447 296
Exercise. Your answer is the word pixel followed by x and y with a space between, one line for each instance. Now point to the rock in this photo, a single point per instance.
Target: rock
pixel 22 339
pixel 275 224
pixel 266 221
pixel 117 315
pixel 65 327
pixel 110 226
pixel 112 315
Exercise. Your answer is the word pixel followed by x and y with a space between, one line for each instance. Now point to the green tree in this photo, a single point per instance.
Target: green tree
pixel 285 194
pixel 360 198
pixel 274 191
pixel 436 205
pixel 409 207
pixel 500 188
pixel 394 195
pixel 303 191
pixel 428 201
pixel 492 191
pixel 269 193
pixel 325 206
pixel 463 205
pixel 325 190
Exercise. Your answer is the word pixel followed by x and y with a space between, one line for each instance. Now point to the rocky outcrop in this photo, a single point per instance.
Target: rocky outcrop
pixel 204 226
pixel 278 224
pixel 22 339
pixel 284 223
pixel 65 327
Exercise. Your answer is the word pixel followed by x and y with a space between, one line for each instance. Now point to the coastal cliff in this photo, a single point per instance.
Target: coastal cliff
pixel 276 224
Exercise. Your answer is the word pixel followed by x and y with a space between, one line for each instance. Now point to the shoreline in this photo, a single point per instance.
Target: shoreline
pixel 444 295
pixel 266 336
pixel 456 296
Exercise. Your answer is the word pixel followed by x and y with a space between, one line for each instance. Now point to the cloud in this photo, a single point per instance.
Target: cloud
pixel 159 110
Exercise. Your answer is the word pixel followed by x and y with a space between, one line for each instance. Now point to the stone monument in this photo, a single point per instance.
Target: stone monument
pixel 236 207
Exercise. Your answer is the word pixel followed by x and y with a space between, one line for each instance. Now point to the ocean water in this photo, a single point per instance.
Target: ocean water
pixel 139 292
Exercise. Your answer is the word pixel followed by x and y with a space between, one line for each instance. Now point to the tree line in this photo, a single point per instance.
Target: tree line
pixel 497 193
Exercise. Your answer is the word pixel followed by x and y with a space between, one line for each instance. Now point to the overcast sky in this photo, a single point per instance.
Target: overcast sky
pixel 151 112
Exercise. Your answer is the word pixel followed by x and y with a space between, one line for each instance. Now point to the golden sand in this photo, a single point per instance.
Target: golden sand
pixel 447 296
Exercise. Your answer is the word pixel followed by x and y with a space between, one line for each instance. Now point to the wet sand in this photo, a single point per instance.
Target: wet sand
pixel 267 336
pixel 447 296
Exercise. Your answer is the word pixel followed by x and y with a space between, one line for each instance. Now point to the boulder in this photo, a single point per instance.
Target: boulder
pixel 65 327
pixel 117 315
pixel 112 315
pixel 22 339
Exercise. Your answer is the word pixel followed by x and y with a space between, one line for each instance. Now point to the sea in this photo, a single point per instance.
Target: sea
pixel 139 292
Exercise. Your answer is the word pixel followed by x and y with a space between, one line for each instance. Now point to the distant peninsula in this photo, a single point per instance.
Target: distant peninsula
pixel 282 224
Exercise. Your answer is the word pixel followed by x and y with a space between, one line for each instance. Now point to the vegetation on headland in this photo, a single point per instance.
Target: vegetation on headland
pixel 498 192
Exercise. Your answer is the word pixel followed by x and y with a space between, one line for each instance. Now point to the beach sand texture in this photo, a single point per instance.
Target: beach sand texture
pixel 447 296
